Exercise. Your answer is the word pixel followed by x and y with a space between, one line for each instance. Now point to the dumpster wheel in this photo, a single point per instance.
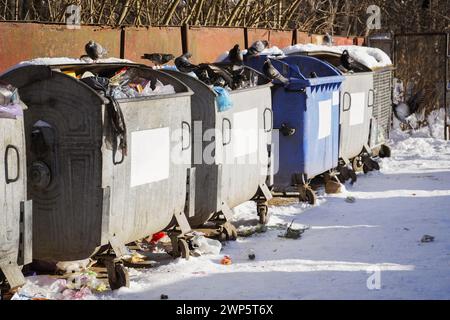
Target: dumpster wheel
pixel 385 151
pixel 369 164
pixel 118 276
pixel 183 248
pixel 307 194
pixel 262 210
pixel 229 232
pixel 345 173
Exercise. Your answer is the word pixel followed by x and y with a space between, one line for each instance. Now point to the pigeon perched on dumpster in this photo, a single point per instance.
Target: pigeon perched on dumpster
pixel 235 55
pixel 183 64
pixel 94 50
pixel 272 73
pixel 327 40
pixel 256 48
pixel 158 59
pixel 346 60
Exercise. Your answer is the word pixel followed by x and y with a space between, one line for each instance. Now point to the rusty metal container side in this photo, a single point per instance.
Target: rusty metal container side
pixel 303 37
pixel 317 39
pixel 280 38
pixel 88 200
pixel 206 44
pixel 358 41
pixel 255 34
pixel 25 41
pixel 15 212
pixel 221 180
pixel 151 40
pixel 342 41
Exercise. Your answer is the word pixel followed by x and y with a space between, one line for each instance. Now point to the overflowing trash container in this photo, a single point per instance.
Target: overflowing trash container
pixel 306 113
pixel 15 209
pixel 356 109
pixel 231 150
pixel 108 156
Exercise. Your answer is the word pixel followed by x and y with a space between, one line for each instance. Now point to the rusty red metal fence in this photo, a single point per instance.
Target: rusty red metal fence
pixel 21 41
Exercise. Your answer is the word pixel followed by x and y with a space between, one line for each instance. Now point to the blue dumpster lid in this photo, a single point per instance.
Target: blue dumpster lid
pixel 299 69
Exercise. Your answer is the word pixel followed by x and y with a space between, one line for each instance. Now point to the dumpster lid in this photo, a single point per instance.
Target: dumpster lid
pixel 372 58
pixel 302 70
pixel 334 59
pixel 262 79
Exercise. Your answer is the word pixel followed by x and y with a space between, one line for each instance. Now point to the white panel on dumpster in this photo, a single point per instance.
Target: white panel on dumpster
pixel 150 156
pixel 357 108
pixel 335 98
pixel 324 119
pixel 245 132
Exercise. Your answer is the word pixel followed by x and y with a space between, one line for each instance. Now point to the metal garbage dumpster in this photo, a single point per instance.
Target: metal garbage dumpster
pixel 102 172
pixel 231 148
pixel 15 211
pixel 356 108
pixel 306 112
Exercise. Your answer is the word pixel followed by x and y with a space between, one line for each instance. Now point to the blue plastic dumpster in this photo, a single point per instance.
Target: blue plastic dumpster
pixel 306 113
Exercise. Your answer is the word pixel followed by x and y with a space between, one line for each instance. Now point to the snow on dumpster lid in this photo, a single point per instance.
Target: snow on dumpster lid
pixel 62 61
pixel 65 60
pixel 370 57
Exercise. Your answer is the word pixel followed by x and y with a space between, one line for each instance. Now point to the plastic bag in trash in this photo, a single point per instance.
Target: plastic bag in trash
pixel 73 266
pixel 206 246
pixel 223 99
pixel 11 111
pixel 9 103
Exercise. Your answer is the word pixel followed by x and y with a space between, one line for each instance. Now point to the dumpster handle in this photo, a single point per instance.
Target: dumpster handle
pixel 271 119
pixel 371 94
pixel 223 126
pixel 302 90
pixel 121 159
pixel 343 101
pixel 8 180
pixel 185 124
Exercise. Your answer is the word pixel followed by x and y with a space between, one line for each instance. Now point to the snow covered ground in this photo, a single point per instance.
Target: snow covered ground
pixel 347 243
pixel 375 241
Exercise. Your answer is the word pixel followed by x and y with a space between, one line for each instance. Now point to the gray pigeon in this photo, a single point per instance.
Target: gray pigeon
pixel 235 55
pixel 183 64
pixel 158 58
pixel 256 48
pixel 327 40
pixel 346 60
pixel 272 73
pixel 94 50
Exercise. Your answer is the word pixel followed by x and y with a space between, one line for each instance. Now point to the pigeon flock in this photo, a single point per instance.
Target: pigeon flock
pixel 234 75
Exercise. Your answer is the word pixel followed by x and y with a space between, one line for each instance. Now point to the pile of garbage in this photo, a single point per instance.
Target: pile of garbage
pixel 10 107
pixel 225 75
pixel 79 286
pixel 125 83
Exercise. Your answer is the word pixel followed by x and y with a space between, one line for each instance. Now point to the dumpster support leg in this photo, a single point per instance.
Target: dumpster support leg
pixel 13 274
pixel 265 191
pixel 118 246
pixel 226 211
